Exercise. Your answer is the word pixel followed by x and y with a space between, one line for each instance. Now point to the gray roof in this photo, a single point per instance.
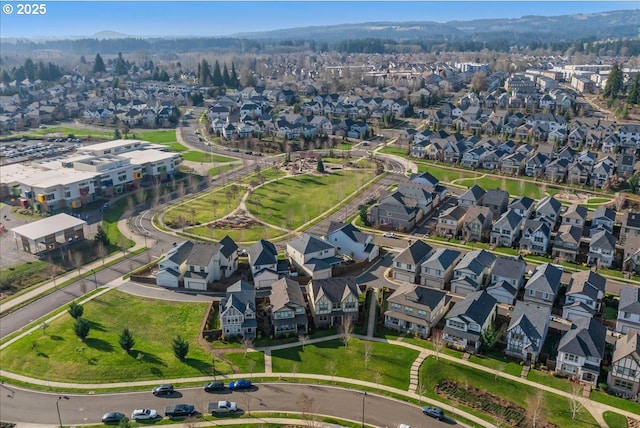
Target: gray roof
pixel 477 306
pixel 228 246
pixel 418 295
pixel 569 233
pixel 474 193
pixel 179 253
pixel 240 295
pixel 545 279
pixel 549 204
pixel 523 203
pixel 286 292
pixel 576 211
pixel 334 288
pixel 483 214
pixel 415 191
pixel 455 212
pixel 587 282
pixel 532 318
pixel 476 261
pixel 505 286
pixel 307 244
pixel 54 224
pixel 586 338
pixel 627 345
pixel 442 258
pixel 495 197
pixel 508 267
pixel 201 253
pixel 262 253
pixel 510 219
pixel 349 230
pixel 629 299
pixel 414 254
pixel 604 212
pixel 424 176
pixel 602 238
pixel 534 225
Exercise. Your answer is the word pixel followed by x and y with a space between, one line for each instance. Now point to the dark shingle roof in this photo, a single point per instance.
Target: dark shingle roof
pixel 350 230
pixel 442 258
pixel 508 267
pixel 476 261
pixel 286 292
pixel 474 193
pixel 179 253
pixel 629 299
pixel 307 244
pixel 414 254
pixel 419 295
pixel 531 318
pixel 263 253
pixel 586 338
pixel 627 345
pixel 334 288
pixel 228 246
pixel 545 278
pixel 476 307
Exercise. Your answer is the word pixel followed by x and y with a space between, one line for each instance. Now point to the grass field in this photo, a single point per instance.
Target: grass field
pixel 57 354
pixel 292 201
pixel 393 363
pixel 206 207
pixel 217 170
pixel 110 224
pixel 23 275
pixel 556 408
pixel 195 156
pixel 615 420
pixel 251 234
pixel 445 175
pixel 77 132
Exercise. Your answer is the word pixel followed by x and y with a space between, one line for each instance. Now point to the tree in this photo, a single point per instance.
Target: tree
pixel 479 82
pixel 233 79
pixel 101 236
pixel 81 328
pixel 633 182
pixel 246 344
pixel 225 75
pixel 98 65
pixel 303 338
pixel 116 134
pixel 437 340
pixel 614 83
pixel 575 402
pixel 346 329
pixel 367 354
pixel 633 97
pixel 180 348
pixel 126 340
pixel 204 73
pixel 217 75
pixel 489 338
pixel 332 369
pixel 75 310
pixel 320 167
pixel 535 408
pixel 121 66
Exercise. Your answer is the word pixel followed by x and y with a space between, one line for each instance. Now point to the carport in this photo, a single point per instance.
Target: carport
pixel 49 233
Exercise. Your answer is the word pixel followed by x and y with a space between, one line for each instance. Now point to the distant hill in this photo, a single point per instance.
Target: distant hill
pixel 102 35
pixel 623 23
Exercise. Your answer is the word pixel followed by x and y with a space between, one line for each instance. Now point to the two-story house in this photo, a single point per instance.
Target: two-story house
pixel 576 215
pixel 476 225
pixel 472 273
pixel 200 265
pixel 471 197
pixel 567 242
pixel 624 372
pixel 333 300
pixel 437 270
pixel 548 207
pixel 628 309
pixel 581 350
pixel 497 200
pixel 522 205
pixel 263 261
pixel 536 235
pixel 313 256
pixel 584 295
pixel 351 242
pixel 604 218
pixel 630 226
pixel 602 248
pixel 406 265
pixel 396 212
pixel 468 319
pixel 543 285
pixel 238 311
pixel 172 266
pixel 509 269
pixel 527 330
pixel 450 221
pixel 506 230
pixel 415 309
pixel 287 308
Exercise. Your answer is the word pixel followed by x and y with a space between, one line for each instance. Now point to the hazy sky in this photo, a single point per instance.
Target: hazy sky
pixel 209 18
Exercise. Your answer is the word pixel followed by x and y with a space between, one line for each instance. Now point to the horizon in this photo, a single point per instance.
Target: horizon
pixel 85 19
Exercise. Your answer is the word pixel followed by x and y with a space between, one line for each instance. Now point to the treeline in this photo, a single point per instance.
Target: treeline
pixel 48 72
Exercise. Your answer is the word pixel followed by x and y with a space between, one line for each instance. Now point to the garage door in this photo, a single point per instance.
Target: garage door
pixel 195 285
pixel 401 276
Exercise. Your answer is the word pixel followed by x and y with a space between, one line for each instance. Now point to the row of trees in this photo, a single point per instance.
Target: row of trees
pixel 217 78
pixel 48 72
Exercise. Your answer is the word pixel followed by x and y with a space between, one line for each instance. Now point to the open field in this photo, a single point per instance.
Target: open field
pixel 250 234
pixel 57 354
pixel 195 156
pixel 293 201
pixel 205 207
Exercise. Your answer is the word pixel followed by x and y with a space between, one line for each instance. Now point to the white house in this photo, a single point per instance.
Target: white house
pixel 313 256
pixel 468 319
pixel 351 242
pixel 628 309
pixel 581 350
pixel 172 266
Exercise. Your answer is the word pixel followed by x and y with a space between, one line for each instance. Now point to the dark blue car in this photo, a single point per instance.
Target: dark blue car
pixel 239 384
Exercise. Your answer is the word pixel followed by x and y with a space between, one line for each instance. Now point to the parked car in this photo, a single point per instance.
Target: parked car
pixel 389 235
pixel 434 412
pixel 144 414
pixel 112 418
pixel 166 389
pixel 179 410
pixel 223 407
pixel 240 384
pixel 214 386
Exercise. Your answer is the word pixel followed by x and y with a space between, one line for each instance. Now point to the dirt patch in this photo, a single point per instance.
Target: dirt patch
pixel 578 198
pixel 237 221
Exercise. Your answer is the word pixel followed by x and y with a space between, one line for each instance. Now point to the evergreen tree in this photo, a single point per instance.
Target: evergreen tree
pixel 116 134
pixel 225 76
pixel 633 97
pixel 101 236
pixel 98 65
pixel 204 73
pixel 233 79
pixel 121 66
pixel 126 340
pixel 614 82
pixel 180 348
pixel 81 328
pixel 75 310
pixel 30 69
pixel 5 77
pixel 320 167
pixel 217 75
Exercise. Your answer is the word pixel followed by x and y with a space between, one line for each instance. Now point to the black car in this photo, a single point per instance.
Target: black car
pixel 214 386
pixel 166 389
pixel 112 418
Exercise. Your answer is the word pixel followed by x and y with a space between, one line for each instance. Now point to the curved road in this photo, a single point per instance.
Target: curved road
pixel 343 403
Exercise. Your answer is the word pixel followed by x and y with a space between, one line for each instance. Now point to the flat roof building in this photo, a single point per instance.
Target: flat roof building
pixel 49 233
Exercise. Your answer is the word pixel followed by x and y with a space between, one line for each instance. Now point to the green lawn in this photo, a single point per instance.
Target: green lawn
pixel 556 408
pixel 160 136
pixel 217 170
pixel 513 187
pixel 615 420
pixel 177 147
pixel 392 362
pixel 206 207
pixel 57 354
pixel 612 400
pixel 252 363
pixel 110 223
pixel 195 156
pixel 78 132
pixel 251 234
pixel 292 201
pixel 394 150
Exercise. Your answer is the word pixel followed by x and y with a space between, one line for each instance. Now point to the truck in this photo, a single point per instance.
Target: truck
pixel 179 410
pixel 222 407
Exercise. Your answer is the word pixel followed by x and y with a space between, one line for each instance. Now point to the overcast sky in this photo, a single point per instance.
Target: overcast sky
pixel 208 18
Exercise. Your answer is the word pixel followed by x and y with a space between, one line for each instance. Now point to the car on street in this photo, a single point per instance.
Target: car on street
pixel 144 414
pixel 214 386
pixel 112 418
pixel 240 384
pixel 180 410
pixel 434 412
pixel 389 235
pixel 165 389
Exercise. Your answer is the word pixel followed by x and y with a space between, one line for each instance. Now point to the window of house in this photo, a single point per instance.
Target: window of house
pixel 408 310
pixel 350 305
pixel 323 307
pixel 623 384
pixel 456 324
pixel 571 357
pixel 395 306
pixel 517 337
pixel 545 296
pixel 422 313
pixel 336 306
pixel 67 194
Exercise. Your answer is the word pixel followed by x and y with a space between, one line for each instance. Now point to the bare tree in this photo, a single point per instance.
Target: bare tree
pixel 575 401
pixel 332 369
pixel 303 338
pixel 294 369
pixel 619 200
pixel 308 408
pixel 498 369
pixel 246 344
pixel 438 342
pixel 378 377
pixel 368 352
pixel 535 409
pixel 251 366
pixel 248 400
pixel 422 387
pixel 101 251
pixel 78 260
pixel 346 329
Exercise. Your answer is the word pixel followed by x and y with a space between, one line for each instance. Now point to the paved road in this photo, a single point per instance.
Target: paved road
pixel 87 409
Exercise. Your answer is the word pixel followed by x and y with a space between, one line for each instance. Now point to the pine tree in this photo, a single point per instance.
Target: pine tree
pixel 225 76
pixel 217 75
pixel 320 167
pixel 204 73
pixel 121 66
pixel 98 65
pixel 633 97
pixel 126 340
pixel 614 82
pixel 180 348
pixel 233 79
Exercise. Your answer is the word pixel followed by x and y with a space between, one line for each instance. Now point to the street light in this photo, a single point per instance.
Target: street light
pixel 60 397
pixel 363 397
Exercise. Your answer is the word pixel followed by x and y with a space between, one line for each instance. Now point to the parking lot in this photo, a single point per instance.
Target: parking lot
pixel 25 150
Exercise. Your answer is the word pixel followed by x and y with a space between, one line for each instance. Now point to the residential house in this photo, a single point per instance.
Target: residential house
pixel 450 221
pixel 536 235
pixel 395 212
pixel 630 226
pixel 497 200
pixel 506 230
pixel 415 309
pixel 527 331
pixel 604 218
pixel 437 270
pixel 600 174
pixel 556 170
pixel 567 242
pixel 263 261
pixel 503 292
pixel 238 311
pixel 333 300
pixel 510 270
pixel 406 265
pixel 471 197
pixel 536 165
pixel 351 242
pixel 581 350
pixel 522 205
pixel 602 248
pixel 468 319
pixel 513 164
pixel 548 207
pixel 625 164
pixel 631 254
pixel 543 285
pixel 203 265
pixel 576 215
pixel 313 256
pixel 287 308
pixel 584 295
pixel 628 309
pixel 172 266
pixel 472 273
pixel 624 372
pixel 477 223
pixel 578 173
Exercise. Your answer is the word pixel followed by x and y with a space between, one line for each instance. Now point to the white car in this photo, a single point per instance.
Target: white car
pixel 144 414
pixel 389 235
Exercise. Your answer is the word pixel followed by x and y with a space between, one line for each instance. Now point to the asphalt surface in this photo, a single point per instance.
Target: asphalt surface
pixel 40 407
